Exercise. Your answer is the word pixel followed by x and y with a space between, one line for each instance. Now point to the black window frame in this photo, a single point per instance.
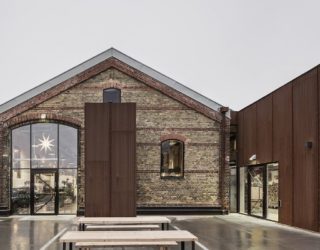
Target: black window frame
pixel 181 176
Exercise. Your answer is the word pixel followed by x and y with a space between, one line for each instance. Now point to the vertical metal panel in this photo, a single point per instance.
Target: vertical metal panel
pixel 97 160
pixel 97 121
pixel 123 159
pixel 318 165
pixel 249 132
pixel 110 163
pixel 282 149
pixel 264 130
pixel 97 189
pixel 240 146
pixel 305 160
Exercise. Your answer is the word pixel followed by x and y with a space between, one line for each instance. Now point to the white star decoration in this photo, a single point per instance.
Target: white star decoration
pixel 46 143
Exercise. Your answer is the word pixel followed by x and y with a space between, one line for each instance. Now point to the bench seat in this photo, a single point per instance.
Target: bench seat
pixel 161 244
pixel 122 227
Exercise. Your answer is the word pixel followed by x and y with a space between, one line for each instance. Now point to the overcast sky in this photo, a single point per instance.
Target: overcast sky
pixel 232 51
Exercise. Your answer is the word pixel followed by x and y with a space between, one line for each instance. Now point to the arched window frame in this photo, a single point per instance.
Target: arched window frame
pixel 111 90
pixel 165 173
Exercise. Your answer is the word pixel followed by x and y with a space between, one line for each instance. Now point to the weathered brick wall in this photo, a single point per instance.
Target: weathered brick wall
pixel 157 115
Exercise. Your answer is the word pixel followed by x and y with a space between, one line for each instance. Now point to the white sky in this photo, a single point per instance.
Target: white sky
pixel 232 51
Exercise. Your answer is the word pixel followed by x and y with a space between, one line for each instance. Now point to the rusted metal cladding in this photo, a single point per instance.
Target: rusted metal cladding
pixel 123 159
pixel 249 132
pixel 97 160
pixel 240 145
pixel 264 130
pixel 282 149
pixel 305 151
pixel 110 159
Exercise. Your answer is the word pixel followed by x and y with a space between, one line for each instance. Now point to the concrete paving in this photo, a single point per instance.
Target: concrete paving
pixel 215 232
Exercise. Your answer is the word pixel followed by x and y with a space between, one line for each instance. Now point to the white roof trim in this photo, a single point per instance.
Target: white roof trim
pixel 100 58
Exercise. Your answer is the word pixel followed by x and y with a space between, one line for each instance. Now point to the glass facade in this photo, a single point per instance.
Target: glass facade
pixel 243 190
pixel 44 154
pixel 259 191
pixel 172 158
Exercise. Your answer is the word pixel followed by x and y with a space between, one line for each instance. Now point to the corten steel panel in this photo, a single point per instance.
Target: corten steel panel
pixel 264 130
pixel 123 117
pixel 97 120
pixel 123 159
pixel 123 174
pixel 234 117
pixel 282 149
pixel 249 132
pixel 97 189
pixel 240 145
pixel 97 160
pixel 305 160
pixel 318 76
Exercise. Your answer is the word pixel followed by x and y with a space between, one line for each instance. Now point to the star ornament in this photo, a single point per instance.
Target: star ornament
pixel 46 143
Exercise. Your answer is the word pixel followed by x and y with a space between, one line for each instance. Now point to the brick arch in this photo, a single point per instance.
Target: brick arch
pixel 114 84
pixel 37 117
pixel 173 137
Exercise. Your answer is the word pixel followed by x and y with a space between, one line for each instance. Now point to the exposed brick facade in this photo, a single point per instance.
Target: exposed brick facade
pixel 161 114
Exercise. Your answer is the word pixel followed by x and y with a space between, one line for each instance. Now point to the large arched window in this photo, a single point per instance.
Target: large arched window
pixel 172 158
pixel 44 169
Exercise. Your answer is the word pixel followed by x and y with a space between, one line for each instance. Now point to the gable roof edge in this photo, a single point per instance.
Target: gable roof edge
pixel 100 58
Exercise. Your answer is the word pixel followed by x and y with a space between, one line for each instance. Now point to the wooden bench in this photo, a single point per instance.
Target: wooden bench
pixel 142 220
pixel 122 227
pixel 161 244
pixel 74 237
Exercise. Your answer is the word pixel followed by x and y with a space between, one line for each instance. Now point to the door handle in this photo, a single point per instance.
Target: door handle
pixel 279 203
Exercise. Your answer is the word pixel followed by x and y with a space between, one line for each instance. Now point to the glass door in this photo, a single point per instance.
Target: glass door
pixel 256 190
pixel 44 199
pixel 273 191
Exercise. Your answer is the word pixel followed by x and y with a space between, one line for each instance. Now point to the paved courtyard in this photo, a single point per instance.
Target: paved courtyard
pixel 228 232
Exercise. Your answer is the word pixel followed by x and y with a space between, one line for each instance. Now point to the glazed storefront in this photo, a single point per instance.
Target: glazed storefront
pixel 44 160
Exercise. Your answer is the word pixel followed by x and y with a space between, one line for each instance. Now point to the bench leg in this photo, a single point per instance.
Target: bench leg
pixel 64 247
pixel 182 245
pixel 162 226
pixel 70 246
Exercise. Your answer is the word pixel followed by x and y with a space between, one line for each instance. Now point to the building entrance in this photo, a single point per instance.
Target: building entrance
pixel 44 192
pixel 44 169
pixel 259 191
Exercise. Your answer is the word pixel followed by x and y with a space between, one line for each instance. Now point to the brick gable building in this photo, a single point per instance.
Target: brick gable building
pixel 181 143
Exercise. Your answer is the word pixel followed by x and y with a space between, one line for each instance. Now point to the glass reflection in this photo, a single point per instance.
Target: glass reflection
pixel 172 158
pixel 273 191
pixel 67 191
pixel 243 190
pixel 44 145
pixel 68 145
pixel 44 193
pixel 21 147
pixel 20 195
pixel 256 190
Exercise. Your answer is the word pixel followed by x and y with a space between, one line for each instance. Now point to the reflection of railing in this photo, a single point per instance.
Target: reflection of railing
pixel 51 192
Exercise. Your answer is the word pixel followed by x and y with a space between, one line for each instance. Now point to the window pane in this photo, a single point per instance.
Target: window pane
pixel 21 147
pixel 273 191
pixel 44 145
pixel 172 158
pixel 67 191
pixel 243 192
pixel 21 191
pixel 112 95
pixel 68 146
pixel 256 191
